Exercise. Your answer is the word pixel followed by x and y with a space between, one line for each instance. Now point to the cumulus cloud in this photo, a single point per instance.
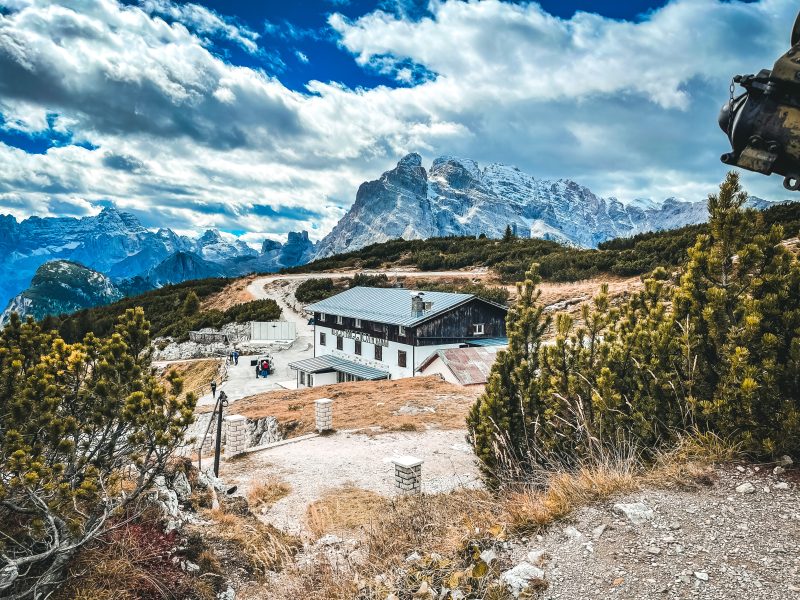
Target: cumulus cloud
pixel 188 140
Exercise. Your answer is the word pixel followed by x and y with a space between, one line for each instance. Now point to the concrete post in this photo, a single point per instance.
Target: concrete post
pixel 408 474
pixel 323 409
pixel 235 435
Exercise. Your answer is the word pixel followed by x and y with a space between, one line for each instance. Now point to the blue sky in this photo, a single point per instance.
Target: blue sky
pixel 264 117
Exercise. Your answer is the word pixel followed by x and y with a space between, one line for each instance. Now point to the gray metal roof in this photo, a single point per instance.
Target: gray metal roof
pixel 328 362
pixel 386 305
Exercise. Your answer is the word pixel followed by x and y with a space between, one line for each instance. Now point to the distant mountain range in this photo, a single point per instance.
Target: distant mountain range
pixel 458 197
pixel 113 250
pixel 111 254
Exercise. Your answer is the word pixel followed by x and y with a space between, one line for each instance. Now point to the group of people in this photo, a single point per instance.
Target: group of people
pixel 233 357
pixel 262 368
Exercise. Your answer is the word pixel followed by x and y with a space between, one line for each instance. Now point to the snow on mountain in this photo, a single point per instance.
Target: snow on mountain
pixel 456 197
pixel 113 242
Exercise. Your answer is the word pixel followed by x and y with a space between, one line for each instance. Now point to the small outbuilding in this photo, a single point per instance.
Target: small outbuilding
pixel 461 366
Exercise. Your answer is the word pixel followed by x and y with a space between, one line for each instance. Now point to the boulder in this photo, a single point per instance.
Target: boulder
pixel 520 578
pixel 637 513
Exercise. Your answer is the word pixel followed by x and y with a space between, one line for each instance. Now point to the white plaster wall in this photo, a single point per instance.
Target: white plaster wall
pixel 437 367
pixel 389 361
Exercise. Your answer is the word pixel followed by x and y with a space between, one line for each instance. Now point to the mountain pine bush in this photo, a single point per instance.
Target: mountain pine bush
pixel 719 351
pixel 84 430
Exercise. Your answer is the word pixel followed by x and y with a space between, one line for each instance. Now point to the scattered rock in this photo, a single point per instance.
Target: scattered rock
pixel 572 533
pixel 701 575
pixel 537 557
pixel 228 594
pixel 488 556
pixel 413 557
pixel 781 486
pixel 598 531
pixel 778 471
pixel 654 550
pixel 181 486
pixel 637 513
pixel 746 488
pixel 520 578
pixel 329 540
pixel 786 461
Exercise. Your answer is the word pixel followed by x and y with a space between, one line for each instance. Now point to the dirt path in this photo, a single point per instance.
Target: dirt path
pixel 314 466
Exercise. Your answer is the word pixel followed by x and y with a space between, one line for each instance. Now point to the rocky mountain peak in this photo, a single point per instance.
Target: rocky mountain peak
pixel 410 160
pixel 456 197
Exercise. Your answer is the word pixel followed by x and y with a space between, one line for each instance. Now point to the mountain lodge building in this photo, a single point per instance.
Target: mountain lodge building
pixel 386 333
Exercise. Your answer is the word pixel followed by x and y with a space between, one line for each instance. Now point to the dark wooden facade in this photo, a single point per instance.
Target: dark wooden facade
pixel 452 326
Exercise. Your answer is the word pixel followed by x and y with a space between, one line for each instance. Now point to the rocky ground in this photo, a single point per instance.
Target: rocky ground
pixel 738 537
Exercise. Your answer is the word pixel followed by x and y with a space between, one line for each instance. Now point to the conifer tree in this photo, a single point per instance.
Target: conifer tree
pixel 191 306
pixel 741 300
pixel 504 419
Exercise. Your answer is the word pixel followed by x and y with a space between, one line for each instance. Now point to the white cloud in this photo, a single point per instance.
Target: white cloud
pixel 188 140
pixel 301 56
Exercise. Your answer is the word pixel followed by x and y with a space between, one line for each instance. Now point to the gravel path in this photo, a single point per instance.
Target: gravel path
pixel 319 464
pixel 716 543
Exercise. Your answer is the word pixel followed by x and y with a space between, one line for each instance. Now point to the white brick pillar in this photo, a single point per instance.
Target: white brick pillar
pixel 323 409
pixel 235 435
pixel 408 474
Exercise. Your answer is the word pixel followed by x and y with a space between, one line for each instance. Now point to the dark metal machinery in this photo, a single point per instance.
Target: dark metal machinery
pixel 763 123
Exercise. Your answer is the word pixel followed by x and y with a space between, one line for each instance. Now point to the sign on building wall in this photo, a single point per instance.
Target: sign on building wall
pixel 360 337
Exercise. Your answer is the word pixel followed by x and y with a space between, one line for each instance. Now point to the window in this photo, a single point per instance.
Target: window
pixel 339 343
pixel 378 352
pixel 358 348
pixel 477 329
pixel 321 316
pixel 302 378
pixel 321 338
pixel 310 380
pixel 401 358
pixel 401 330
pixel 357 323
pixel 339 319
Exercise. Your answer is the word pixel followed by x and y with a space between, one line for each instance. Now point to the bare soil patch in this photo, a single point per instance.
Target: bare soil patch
pixel 414 404
pixel 232 294
pixel 197 375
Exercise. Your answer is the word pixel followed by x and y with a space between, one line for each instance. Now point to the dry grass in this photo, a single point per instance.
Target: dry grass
pixel 258 547
pixel 268 493
pixel 197 375
pixel 449 530
pixel 232 294
pixel 345 509
pixel 528 509
pixel 367 404
pixel 131 562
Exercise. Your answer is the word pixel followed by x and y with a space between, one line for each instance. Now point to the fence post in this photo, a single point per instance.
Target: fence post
pixel 323 409
pixel 408 474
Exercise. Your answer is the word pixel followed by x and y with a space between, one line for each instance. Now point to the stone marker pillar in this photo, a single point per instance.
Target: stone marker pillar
pixel 408 474
pixel 324 413
pixel 235 435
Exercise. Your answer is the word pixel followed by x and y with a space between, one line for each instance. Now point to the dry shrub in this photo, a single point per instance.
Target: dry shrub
pixel 259 547
pixel 532 508
pixel 268 493
pixel 343 509
pixel 133 561
pixel 690 463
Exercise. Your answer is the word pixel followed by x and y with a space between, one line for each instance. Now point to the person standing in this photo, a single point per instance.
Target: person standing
pixel 214 389
pixel 235 357
pixel 258 370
